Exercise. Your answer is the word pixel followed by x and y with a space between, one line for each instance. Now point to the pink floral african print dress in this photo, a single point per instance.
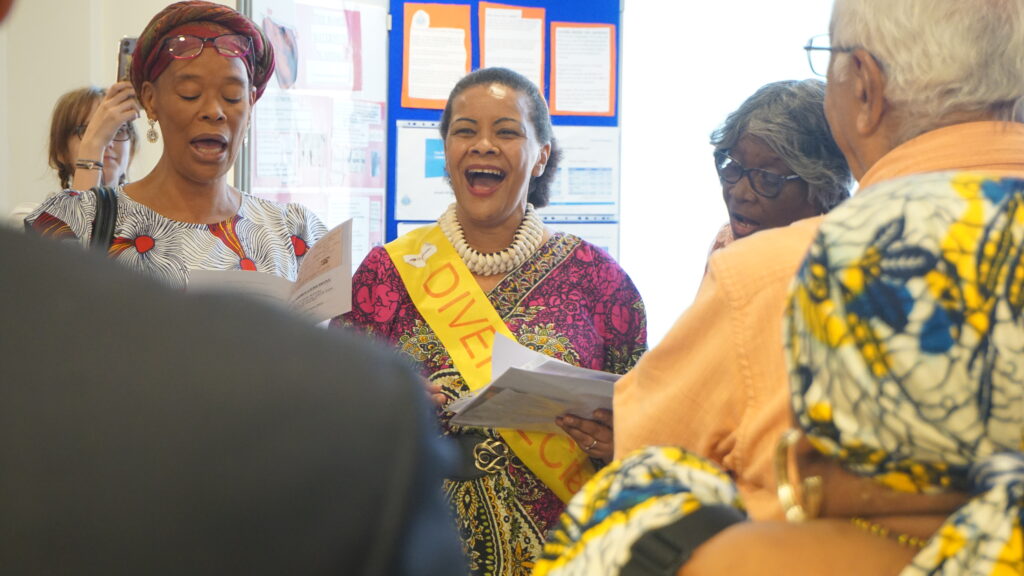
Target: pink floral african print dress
pixel 571 301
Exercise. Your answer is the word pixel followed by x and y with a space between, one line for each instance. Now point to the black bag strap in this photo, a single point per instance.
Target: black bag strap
pixel 663 551
pixel 106 214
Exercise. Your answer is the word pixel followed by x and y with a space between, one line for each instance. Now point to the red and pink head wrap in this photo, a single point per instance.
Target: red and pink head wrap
pixel 204 19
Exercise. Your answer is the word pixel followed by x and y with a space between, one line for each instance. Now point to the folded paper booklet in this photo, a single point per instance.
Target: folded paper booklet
pixel 321 290
pixel 528 390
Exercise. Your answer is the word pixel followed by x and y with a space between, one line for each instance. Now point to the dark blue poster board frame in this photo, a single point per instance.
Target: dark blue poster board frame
pixel 578 11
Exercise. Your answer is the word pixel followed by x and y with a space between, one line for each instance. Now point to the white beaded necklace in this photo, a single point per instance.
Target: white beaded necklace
pixel 528 238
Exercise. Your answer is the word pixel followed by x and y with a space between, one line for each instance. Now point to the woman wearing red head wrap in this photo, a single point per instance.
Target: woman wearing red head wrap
pixel 198 69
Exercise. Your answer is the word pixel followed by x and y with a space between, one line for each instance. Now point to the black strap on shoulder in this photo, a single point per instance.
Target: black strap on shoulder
pixel 663 551
pixel 106 214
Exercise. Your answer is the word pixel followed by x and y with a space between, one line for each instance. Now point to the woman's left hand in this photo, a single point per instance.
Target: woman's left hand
pixel 595 437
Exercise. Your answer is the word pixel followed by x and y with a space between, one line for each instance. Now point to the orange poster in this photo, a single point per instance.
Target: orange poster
pixel 437 53
pixel 582 69
pixel 513 37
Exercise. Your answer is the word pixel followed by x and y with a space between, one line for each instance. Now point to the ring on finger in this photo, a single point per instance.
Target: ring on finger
pixel 591 447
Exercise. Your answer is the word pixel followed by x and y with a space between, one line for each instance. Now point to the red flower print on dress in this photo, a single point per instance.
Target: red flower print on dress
pixel 584 253
pixel 144 244
pixel 573 307
pixel 610 281
pixel 622 318
pixel 299 245
pixel 379 302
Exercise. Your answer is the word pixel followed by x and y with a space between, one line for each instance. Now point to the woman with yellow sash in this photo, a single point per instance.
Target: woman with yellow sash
pixel 489 266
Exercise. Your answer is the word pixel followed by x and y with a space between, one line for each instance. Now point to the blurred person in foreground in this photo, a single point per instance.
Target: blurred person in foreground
pixel 777 161
pixel 198 69
pixel 150 447
pixel 914 88
pixel 490 266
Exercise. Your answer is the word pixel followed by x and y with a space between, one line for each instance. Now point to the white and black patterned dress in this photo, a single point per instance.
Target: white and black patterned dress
pixel 263 236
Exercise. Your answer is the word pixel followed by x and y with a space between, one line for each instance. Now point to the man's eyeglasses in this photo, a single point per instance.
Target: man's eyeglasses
pixel 123 134
pixel 765 183
pixel 819 52
pixel 187 46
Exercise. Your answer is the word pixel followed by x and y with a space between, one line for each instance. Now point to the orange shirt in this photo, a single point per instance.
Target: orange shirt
pixel 717 384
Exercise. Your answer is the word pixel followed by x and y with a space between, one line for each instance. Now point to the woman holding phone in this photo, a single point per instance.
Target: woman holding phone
pixel 92 137
pixel 197 70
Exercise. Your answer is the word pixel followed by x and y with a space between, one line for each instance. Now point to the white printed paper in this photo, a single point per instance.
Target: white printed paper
pixel 529 390
pixel 321 291
pixel 514 42
pixel 437 58
pixel 583 69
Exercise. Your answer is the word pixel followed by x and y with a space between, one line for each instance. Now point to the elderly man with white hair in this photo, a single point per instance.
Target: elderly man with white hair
pixel 915 87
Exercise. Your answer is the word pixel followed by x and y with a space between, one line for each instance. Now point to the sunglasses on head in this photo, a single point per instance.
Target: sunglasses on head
pixel 187 46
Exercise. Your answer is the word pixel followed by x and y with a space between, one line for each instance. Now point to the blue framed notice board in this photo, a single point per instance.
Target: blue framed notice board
pixel 578 39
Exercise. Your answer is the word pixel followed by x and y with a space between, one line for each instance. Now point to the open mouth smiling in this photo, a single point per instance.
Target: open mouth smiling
pixel 483 181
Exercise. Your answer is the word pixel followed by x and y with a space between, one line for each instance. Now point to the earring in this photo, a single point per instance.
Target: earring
pixel 151 135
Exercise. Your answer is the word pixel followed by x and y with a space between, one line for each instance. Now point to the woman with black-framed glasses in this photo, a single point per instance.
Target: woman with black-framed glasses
pixel 92 136
pixel 776 160
pixel 198 69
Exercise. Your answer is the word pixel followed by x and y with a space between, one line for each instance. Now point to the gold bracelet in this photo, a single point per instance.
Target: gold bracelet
pixel 88 164
pixel 879 530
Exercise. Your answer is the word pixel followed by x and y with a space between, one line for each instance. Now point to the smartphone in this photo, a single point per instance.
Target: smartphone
pixel 125 49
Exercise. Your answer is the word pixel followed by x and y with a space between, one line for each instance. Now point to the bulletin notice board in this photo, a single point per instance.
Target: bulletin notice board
pixel 571 48
pixel 318 133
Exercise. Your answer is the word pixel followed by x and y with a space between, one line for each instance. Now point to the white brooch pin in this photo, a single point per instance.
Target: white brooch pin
pixel 420 260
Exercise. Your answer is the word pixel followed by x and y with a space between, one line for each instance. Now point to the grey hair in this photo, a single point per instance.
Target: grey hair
pixel 789 117
pixel 945 61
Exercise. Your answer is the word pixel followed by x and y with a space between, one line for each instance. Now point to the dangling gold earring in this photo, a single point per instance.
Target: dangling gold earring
pixel 151 135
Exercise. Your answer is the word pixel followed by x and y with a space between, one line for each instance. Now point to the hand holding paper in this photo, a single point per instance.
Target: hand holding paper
pixel 592 432
pixel 529 390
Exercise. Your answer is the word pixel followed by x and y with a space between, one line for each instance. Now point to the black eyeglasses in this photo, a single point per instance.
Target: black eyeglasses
pixel 819 52
pixel 187 46
pixel 123 134
pixel 765 183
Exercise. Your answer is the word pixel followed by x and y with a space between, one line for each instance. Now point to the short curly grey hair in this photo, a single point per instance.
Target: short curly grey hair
pixel 789 116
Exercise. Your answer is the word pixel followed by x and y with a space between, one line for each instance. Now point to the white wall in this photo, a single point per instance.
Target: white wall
pixel 48 47
pixel 685 66
pixel 5 141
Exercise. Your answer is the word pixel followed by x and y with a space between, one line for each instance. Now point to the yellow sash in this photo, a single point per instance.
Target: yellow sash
pixel 446 294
